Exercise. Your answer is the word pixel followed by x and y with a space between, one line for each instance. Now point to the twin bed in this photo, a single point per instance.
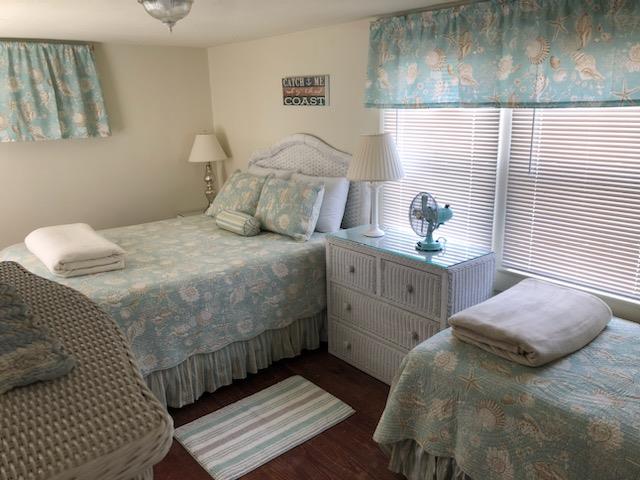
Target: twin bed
pixel 202 306
pixel 456 412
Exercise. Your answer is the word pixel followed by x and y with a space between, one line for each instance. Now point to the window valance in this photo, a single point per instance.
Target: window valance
pixel 508 53
pixel 49 91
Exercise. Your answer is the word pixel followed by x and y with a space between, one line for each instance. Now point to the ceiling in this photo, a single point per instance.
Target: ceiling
pixel 211 22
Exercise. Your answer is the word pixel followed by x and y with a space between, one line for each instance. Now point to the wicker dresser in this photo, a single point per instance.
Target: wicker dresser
pixel 385 297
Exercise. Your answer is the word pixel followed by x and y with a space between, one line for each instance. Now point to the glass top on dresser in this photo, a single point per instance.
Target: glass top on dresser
pixel 403 243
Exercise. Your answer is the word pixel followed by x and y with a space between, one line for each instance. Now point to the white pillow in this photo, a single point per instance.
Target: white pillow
pixel 336 190
pixel 276 172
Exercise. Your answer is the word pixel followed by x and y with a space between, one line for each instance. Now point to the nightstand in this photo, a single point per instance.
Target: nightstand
pixel 385 297
pixel 191 213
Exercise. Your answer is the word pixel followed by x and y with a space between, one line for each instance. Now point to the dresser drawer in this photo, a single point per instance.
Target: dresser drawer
pixel 390 323
pixel 357 270
pixel 418 290
pixel 364 352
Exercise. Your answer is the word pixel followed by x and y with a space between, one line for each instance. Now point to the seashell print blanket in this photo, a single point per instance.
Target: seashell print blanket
pixel 191 287
pixel 573 419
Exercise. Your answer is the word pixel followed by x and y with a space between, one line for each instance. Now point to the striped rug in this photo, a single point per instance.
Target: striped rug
pixel 240 437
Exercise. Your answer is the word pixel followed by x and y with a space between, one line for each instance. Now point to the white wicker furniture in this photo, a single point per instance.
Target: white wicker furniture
pixel 384 297
pixel 309 155
pixel 100 421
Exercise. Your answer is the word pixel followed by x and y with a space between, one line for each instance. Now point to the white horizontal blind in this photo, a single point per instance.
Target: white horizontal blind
pixel 573 213
pixel 452 154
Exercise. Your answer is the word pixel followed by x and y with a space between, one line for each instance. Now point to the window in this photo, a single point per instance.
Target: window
pixel 573 205
pixel 452 154
pixel 571 200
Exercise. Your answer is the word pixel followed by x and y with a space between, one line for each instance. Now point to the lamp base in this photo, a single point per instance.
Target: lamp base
pixel 209 182
pixel 373 231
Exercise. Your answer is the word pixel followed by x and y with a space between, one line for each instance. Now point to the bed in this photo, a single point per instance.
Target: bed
pixel 458 412
pixel 201 306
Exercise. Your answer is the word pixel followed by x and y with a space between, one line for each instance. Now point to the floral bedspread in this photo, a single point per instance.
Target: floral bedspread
pixel 577 418
pixel 190 287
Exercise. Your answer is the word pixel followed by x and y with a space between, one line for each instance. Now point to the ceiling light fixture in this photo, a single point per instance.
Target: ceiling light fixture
pixel 168 12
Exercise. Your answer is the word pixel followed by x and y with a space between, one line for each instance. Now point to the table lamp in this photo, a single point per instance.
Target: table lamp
pixel 376 160
pixel 207 149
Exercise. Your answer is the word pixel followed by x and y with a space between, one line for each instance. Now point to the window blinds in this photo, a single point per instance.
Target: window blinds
pixel 573 210
pixel 452 154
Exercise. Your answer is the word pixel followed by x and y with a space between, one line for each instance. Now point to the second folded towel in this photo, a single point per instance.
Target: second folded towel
pixel 74 250
pixel 533 323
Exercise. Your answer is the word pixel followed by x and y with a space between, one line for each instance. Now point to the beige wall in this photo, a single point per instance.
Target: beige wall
pixel 157 99
pixel 247 92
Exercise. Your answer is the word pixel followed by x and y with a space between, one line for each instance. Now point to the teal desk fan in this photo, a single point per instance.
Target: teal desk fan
pixel 425 217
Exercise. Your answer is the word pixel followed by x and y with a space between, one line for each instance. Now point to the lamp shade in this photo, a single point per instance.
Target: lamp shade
pixel 376 160
pixel 205 149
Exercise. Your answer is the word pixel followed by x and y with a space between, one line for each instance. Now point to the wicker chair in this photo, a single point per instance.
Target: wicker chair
pixel 98 422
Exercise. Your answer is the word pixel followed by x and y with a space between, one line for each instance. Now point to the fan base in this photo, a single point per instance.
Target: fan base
pixel 426 246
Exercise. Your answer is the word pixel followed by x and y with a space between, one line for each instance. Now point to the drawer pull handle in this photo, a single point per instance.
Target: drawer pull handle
pixel 409 288
pixel 352 269
pixel 347 307
pixel 347 345
pixel 415 336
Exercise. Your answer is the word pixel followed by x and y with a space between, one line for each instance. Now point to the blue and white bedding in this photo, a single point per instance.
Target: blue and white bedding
pixel 576 418
pixel 190 287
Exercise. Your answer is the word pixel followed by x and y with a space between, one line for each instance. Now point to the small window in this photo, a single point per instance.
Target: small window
pixel 452 154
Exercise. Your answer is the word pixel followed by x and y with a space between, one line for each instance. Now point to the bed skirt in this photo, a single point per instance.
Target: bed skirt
pixel 409 459
pixel 185 383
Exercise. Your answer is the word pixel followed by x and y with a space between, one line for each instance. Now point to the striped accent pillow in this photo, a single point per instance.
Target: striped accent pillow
pixel 238 222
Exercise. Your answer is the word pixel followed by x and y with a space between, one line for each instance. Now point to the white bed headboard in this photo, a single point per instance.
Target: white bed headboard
pixel 311 156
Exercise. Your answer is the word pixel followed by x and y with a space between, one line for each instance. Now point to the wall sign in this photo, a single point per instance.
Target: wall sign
pixel 306 91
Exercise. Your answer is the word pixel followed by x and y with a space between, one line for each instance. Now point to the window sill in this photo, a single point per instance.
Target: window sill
pixel 622 307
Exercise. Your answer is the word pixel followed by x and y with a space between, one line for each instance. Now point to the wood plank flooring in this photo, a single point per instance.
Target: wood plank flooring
pixel 345 451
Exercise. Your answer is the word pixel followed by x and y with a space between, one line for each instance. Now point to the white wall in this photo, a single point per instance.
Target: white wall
pixel 157 99
pixel 247 91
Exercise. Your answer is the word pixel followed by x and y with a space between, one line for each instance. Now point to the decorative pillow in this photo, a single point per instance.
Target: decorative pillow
pixel 276 172
pixel 239 193
pixel 27 353
pixel 336 191
pixel 238 222
pixel 290 208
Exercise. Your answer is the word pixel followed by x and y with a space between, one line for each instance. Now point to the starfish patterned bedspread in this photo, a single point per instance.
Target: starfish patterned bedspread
pixel 574 419
pixel 190 287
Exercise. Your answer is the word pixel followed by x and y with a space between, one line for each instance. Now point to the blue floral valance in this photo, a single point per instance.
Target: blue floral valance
pixel 508 53
pixel 49 91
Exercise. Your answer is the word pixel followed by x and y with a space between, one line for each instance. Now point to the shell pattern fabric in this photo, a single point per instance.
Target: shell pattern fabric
pixel 290 208
pixel 49 91
pixel 574 419
pixel 190 287
pixel 28 353
pixel 240 193
pixel 508 53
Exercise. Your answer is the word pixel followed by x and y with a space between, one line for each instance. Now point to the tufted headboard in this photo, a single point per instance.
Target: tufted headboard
pixel 311 156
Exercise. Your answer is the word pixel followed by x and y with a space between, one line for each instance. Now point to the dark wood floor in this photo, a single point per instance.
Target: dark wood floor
pixel 345 451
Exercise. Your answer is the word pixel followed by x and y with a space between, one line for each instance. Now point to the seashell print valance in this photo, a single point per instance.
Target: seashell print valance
pixel 49 91
pixel 508 53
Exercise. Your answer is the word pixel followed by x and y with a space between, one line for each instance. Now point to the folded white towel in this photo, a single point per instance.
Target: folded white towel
pixel 533 323
pixel 73 250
